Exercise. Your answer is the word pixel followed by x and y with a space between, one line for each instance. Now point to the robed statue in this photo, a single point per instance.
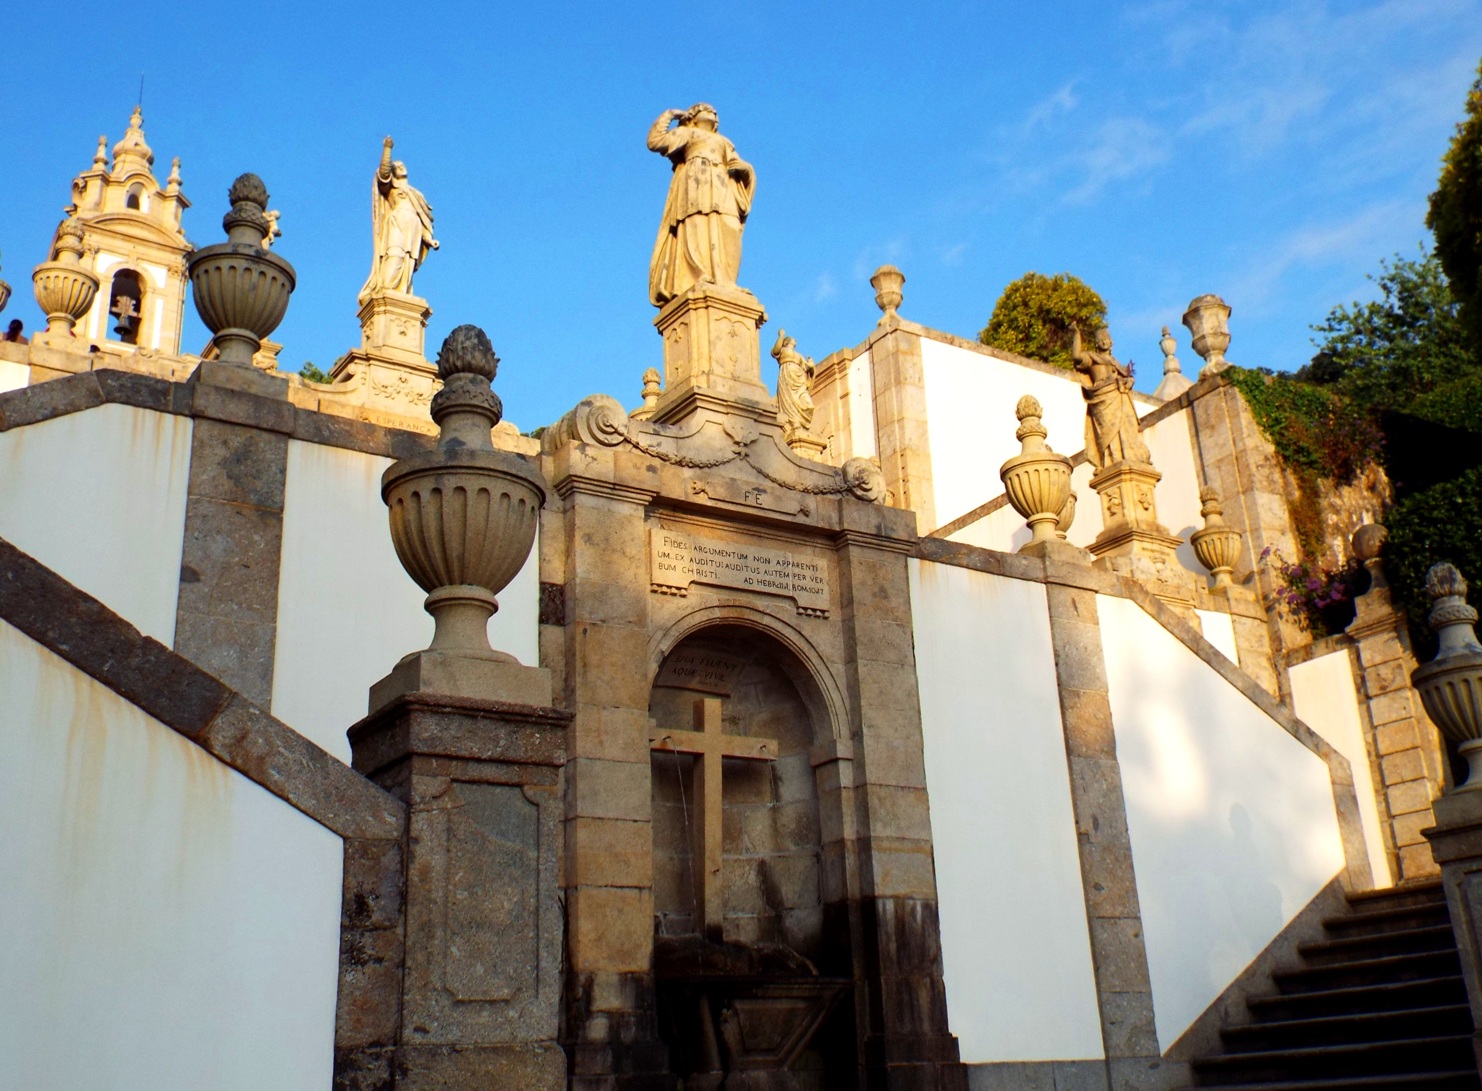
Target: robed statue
pixel 794 401
pixel 401 225
pixel 1112 431
pixel 709 197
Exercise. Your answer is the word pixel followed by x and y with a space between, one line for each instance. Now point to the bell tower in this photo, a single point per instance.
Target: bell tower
pixel 133 243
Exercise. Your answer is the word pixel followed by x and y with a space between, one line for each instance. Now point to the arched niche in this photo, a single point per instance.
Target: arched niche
pixel 772 882
pixel 126 305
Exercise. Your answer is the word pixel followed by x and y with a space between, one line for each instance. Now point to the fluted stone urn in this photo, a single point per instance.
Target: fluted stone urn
pixel 64 289
pixel 1450 685
pixel 1208 319
pixel 463 517
pixel 1037 480
pixel 887 282
pixel 1217 546
pixel 240 288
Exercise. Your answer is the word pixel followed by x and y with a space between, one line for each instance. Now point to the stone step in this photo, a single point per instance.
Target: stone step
pixel 1416 894
pixel 1456 1080
pixel 1377 921
pixel 1381 1026
pixel 1400 941
pixel 1369 971
pixel 1438 991
pixel 1436 1053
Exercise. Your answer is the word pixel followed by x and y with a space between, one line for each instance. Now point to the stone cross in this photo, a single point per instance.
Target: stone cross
pixel 710 746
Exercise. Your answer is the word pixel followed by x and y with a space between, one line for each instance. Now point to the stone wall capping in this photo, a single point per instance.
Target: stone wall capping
pixel 187 699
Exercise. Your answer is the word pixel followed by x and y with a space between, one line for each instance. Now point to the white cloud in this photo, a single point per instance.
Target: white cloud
pixel 824 287
pixel 1061 101
pixel 1123 148
pixel 952 255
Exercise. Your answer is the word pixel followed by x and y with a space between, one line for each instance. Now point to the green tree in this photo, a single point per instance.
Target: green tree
pixel 1391 352
pixel 1034 315
pixel 312 373
pixel 1455 214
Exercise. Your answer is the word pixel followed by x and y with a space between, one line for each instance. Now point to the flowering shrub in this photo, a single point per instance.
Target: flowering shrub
pixel 1318 600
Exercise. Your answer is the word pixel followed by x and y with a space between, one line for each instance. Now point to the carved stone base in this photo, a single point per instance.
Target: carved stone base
pixel 464 676
pixel 393 328
pixel 807 445
pixel 479 994
pixel 712 354
pixel 1132 541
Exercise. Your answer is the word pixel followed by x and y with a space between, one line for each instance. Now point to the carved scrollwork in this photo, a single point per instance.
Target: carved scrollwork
pixel 864 479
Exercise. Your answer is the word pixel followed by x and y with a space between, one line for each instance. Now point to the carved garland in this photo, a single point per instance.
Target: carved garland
pixel 601 420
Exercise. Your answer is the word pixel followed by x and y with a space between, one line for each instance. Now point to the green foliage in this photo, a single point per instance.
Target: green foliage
pixel 1455 214
pixel 1311 427
pixel 1457 403
pixel 1387 353
pixel 1034 315
pixel 312 373
pixel 1317 432
pixel 1441 523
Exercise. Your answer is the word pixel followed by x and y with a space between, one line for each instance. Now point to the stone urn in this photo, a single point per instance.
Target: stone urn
pixel 241 290
pixel 463 516
pixel 887 282
pixel 1217 546
pixel 1208 319
pixel 1037 480
pixel 64 289
pixel 1450 685
pixel 1368 542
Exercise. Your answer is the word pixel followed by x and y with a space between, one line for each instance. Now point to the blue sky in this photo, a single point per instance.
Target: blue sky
pixel 1270 152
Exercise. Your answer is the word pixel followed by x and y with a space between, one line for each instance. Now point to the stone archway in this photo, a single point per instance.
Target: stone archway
pixel 746 903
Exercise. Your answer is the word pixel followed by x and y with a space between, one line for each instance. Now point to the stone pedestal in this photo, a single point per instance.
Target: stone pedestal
pixel 807 445
pixel 393 328
pixel 1132 541
pixel 712 354
pixel 1456 841
pixel 1412 763
pixel 481 987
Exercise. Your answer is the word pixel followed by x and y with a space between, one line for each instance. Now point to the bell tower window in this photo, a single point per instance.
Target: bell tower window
pixel 135 196
pixel 127 296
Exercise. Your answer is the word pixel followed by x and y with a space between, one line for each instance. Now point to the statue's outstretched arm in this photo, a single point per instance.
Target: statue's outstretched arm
pixel 660 138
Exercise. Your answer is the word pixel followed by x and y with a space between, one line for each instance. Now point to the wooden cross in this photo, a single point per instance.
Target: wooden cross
pixel 710 746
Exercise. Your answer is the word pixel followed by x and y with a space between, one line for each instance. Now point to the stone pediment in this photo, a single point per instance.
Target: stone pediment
pixel 133 225
pixel 732 460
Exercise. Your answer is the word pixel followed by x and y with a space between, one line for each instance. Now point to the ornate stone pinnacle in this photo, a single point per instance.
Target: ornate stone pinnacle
pixel 887 282
pixel 1450 685
pixel 241 290
pixel 64 289
pixel 246 222
pixel 1217 546
pixel 1169 346
pixel 1208 319
pixel 1037 480
pixel 1031 432
pixel 466 408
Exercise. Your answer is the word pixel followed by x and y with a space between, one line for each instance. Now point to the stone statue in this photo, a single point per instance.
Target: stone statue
pixel 273 230
pixel 401 223
pixel 794 401
pixel 699 238
pixel 1112 432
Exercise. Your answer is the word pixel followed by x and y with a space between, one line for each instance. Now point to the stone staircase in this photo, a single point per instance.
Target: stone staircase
pixel 1377 1005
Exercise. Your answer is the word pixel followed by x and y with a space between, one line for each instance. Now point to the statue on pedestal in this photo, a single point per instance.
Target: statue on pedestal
pixel 401 224
pixel 699 239
pixel 794 401
pixel 1112 431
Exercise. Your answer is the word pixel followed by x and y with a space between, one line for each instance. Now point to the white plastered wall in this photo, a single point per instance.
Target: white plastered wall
pixel 1219 629
pixel 1325 697
pixel 1015 948
pixel 970 401
pixel 99 496
pixel 1171 446
pixel 347 610
pixel 1232 820
pixel 164 922
pixel 13 376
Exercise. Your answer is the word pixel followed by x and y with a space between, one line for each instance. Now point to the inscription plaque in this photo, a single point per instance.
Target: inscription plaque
pixel 677 559
pixel 704 671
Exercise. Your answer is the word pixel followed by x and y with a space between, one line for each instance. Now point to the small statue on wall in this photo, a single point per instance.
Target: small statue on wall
pixel 794 372
pixel 401 224
pixel 1112 430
